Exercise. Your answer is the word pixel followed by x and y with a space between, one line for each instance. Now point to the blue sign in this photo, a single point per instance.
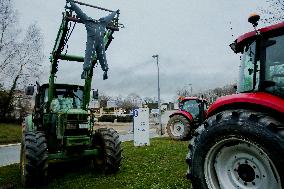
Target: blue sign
pixel 135 113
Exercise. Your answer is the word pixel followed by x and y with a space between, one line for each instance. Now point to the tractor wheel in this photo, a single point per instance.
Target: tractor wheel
pixel 110 152
pixel 178 128
pixel 33 160
pixel 237 149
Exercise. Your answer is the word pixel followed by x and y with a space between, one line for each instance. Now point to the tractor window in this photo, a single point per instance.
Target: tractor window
pixel 75 94
pixel 45 95
pixel 247 69
pixel 274 62
pixel 192 107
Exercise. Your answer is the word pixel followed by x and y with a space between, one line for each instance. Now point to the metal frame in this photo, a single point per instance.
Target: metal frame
pixel 57 54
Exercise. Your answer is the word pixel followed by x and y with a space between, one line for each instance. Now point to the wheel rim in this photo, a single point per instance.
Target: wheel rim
pixel 237 163
pixel 177 129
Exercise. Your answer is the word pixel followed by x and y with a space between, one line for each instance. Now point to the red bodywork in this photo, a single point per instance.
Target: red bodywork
pixel 188 98
pixel 247 37
pixel 184 113
pixel 257 99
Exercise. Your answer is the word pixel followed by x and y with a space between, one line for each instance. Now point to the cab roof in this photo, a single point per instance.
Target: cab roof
pixel 62 86
pixel 190 98
pixel 268 31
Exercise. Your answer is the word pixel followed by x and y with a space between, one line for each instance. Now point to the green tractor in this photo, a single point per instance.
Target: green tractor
pixel 61 125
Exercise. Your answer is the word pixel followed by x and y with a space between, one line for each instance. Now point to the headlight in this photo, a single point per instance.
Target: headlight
pixel 84 126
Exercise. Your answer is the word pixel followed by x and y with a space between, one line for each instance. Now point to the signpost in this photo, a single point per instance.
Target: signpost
pixel 141 127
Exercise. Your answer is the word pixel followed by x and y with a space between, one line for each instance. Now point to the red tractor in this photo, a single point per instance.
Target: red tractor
pixel 190 115
pixel 241 143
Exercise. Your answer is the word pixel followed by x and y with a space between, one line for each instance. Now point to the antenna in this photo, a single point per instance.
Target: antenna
pixel 253 19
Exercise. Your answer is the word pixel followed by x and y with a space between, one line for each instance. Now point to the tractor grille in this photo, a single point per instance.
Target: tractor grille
pixel 73 129
pixel 74 125
pixel 77 117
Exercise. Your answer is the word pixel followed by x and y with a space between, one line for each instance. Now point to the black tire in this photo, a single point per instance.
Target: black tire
pixel 183 122
pixel 107 141
pixel 226 131
pixel 33 160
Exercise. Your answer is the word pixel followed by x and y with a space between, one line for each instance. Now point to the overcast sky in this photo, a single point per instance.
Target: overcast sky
pixel 191 37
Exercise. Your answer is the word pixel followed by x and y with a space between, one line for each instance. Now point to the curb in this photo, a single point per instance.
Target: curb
pixel 9 145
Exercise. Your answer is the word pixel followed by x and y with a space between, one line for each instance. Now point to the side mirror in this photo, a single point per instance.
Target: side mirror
pixel 96 94
pixel 30 90
pixel 234 46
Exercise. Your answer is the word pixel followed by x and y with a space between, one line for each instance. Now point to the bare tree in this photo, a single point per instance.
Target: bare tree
pixel 126 105
pixel 29 58
pixel 273 12
pixel 20 57
pixel 183 92
pixel 118 101
pixel 26 65
pixel 148 100
pixel 212 94
pixel 103 98
pixel 134 99
pixel 9 32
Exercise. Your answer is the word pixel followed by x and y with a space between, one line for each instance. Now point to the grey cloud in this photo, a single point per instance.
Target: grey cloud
pixel 191 37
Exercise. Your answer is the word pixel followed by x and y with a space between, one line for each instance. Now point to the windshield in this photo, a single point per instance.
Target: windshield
pixel 246 77
pixel 274 65
pixel 70 98
pixel 192 107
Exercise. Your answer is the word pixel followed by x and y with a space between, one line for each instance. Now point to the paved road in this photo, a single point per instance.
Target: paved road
pixel 9 154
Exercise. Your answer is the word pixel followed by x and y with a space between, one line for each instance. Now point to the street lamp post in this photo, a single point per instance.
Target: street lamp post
pixel 159 100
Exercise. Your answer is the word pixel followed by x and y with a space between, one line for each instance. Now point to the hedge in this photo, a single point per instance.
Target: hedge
pixel 111 118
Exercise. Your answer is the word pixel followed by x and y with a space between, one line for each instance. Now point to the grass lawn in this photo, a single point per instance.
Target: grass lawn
pixel 161 165
pixel 10 133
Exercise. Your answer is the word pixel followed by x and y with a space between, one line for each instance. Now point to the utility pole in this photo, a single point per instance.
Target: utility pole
pixel 159 99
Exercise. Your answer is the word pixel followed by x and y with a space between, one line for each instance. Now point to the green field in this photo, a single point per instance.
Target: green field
pixel 10 133
pixel 161 165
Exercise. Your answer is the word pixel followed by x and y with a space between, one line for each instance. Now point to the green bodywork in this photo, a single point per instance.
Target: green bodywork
pixel 67 125
pixel 29 125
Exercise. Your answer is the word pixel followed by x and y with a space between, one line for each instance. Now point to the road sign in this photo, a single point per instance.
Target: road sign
pixel 141 127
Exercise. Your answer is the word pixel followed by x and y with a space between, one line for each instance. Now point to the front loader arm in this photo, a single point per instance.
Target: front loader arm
pixel 57 54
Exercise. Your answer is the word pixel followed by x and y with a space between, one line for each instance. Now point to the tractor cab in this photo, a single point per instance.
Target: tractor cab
pixel 194 106
pixel 68 95
pixel 262 62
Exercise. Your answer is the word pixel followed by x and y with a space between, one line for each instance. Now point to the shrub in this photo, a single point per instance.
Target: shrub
pixel 111 118
pixel 107 118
